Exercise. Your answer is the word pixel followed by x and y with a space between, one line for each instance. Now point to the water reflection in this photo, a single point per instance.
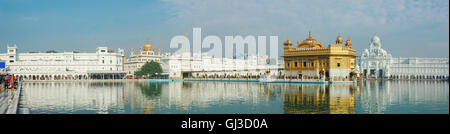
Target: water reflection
pixel 404 96
pixel 320 99
pixel 72 97
pixel 236 97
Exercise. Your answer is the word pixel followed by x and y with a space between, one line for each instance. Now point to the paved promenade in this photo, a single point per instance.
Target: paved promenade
pixel 90 80
pixel 9 101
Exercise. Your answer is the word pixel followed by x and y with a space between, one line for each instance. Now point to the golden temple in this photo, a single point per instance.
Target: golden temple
pixel 310 60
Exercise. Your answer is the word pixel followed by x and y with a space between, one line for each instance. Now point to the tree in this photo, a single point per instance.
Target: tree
pixel 52 51
pixel 149 68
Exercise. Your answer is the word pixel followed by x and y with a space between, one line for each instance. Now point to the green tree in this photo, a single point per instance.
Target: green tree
pixel 149 68
pixel 52 51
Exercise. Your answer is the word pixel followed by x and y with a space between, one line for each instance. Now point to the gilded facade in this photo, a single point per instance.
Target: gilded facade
pixel 320 99
pixel 310 60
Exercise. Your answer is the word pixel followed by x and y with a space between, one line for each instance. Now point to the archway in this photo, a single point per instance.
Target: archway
pixel 380 73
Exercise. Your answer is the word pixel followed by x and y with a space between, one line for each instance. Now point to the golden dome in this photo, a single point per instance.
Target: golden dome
pixel 287 42
pixel 310 42
pixel 339 39
pixel 147 47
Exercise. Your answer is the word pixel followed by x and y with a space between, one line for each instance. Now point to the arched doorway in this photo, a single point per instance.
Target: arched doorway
pixel 380 73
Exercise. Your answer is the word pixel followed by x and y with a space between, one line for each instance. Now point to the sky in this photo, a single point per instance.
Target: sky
pixel 407 28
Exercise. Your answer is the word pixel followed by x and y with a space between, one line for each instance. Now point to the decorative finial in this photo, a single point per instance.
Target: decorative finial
pixel 310 34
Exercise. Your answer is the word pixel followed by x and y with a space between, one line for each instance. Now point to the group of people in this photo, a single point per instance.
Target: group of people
pixel 8 82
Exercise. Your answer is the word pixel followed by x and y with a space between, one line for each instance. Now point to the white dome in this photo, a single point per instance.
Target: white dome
pixel 376 40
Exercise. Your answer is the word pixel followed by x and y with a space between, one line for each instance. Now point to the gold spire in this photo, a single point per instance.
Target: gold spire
pixel 309 37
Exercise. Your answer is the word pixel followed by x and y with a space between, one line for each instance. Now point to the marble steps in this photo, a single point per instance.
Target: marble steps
pixel 22 106
pixel 24 111
pixel 4 103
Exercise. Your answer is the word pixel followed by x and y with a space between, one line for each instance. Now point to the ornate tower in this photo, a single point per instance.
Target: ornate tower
pixel 339 39
pixel 287 45
pixel 348 43
pixel 131 51
pixel 12 54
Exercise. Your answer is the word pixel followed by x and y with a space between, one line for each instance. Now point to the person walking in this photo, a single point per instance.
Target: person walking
pixel 5 78
pixel 12 81
pixel 4 81
pixel 1 82
pixel 9 82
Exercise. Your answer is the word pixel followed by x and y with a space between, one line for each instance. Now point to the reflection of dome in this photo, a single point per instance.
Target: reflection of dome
pixel 309 43
pixel 147 47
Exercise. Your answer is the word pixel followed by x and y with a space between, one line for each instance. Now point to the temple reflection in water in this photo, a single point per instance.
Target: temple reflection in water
pixel 320 99
pixel 377 96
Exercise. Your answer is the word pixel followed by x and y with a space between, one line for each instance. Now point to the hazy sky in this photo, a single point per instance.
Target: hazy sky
pixel 406 27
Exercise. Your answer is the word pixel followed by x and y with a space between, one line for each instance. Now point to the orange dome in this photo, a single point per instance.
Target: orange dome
pixel 310 42
pixel 348 42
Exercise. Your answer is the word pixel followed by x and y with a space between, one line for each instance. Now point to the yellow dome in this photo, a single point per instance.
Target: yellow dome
pixel 310 42
pixel 147 47
pixel 288 42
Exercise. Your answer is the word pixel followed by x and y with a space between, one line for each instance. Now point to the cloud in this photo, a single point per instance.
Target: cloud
pixel 393 19
pixel 251 15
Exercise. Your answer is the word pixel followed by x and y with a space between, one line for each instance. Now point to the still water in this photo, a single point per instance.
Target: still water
pixel 132 97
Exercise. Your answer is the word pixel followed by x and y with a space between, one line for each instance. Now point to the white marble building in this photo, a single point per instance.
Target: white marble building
pixel 104 63
pixel 183 64
pixel 419 68
pixel 375 62
pixel 137 60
